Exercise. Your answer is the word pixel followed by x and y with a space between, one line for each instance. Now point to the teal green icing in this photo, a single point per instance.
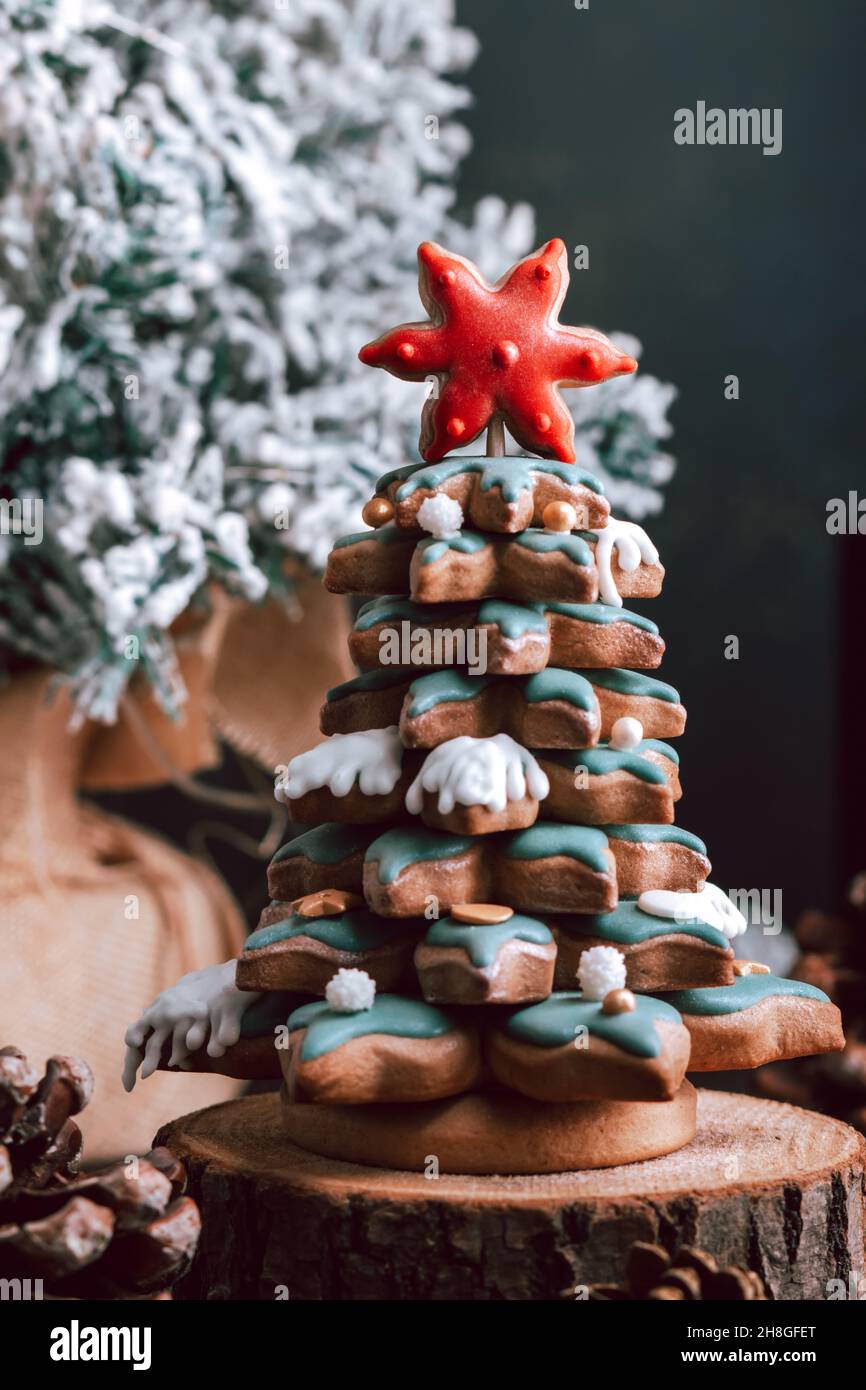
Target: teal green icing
pixel 512 474
pixel 397 849
pixel 329 843
pixel 442 688
pixel 381 679
pixel 664 749
pixel 396 475
pixel 482 944
pixel 603 759
pixel 744 993
pixel 469 542
pixel 351 931
pixel 391 607
pixel 557 1020
pixel 582 842
pixel 516 619
pixel 383 535
pixel 564 542
pixel 632 683
pixel 603 613
pixel 554 683
pixel 656 834
pixel 628 926
pixel 267 1012
pixel 465 542
pixel 512 619
pixel 390 1013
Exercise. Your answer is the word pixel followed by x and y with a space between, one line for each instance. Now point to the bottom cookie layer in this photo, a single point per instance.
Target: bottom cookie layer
pixel 494 1133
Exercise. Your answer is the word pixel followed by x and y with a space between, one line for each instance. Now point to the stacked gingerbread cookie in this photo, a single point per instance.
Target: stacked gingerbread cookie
pixel 509 951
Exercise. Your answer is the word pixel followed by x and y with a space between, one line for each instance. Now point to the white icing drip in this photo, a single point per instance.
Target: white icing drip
pixel 441 515
pixel 487 772
pixel 626 733
pixel 350 991
pixel 599 970
pixel 710 905
pixel 372 758
pixel 632 545
pixel 204 1006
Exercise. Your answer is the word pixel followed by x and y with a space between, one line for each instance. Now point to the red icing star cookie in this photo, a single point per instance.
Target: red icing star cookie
pixel 498 351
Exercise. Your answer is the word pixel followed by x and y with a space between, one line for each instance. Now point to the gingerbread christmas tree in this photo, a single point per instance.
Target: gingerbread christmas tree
pixel 493 948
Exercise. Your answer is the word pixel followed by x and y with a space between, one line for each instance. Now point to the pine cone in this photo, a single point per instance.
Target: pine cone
pixel 125 1231
pixel 691 1275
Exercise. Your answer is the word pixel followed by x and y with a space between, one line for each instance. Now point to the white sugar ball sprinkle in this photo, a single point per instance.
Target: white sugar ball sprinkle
pixel 626 733
pixel 441 516
pixel 350 991
pixel 601 969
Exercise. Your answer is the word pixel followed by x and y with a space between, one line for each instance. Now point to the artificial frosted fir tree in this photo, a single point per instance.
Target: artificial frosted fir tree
pixel 203 207
pixel 493 949
pixel 123 1232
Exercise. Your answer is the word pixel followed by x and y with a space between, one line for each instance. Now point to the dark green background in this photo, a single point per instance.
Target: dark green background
pixel 721 260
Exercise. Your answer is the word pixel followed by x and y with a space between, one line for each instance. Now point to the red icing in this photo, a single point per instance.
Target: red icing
pixel 497 350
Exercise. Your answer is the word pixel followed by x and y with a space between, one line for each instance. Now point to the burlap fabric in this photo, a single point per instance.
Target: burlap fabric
pixel 97 915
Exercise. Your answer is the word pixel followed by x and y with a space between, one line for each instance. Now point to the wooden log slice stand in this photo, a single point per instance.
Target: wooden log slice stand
pixel 763 1185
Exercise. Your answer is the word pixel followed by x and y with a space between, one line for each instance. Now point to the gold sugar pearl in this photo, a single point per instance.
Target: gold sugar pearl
pixel 481 914
pixel 618 1001
pixel 328 902
pixel 378 512
pixel 750 967
pixel 559 516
